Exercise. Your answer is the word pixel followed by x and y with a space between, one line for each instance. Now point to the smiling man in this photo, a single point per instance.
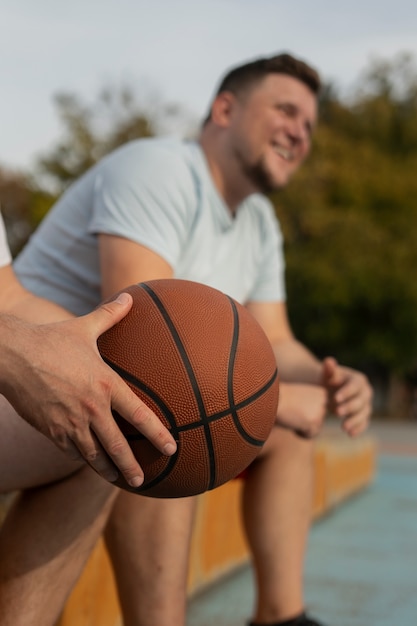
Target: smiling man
pixel 165 208
pixel 270 130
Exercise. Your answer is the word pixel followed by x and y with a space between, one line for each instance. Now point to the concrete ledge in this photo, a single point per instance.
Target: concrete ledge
pixel 342 468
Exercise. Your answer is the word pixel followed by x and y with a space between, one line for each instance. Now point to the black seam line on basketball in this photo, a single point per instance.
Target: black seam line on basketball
pixel 232 357
pixel 230 376
pixel 234 409
pixel 210 418
pixel 128 377
pixel 167 413
pixel 192 378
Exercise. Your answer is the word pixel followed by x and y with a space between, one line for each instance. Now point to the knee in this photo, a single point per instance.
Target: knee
pixel 287 444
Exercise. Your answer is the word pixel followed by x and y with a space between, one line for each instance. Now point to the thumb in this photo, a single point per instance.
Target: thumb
pixel 329 375
pixel 109 313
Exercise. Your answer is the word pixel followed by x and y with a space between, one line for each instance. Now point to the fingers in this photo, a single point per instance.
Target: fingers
pixel 354 394
pixel 114 454
pixel 357 424
pixel 96 438
pixel 353 404
pixel 129 406
pixel 333 374
pixel 346 400
pixel 108 314
pixel 103 446
pixel 119 451
pixel 349 396
pixel 329 369
pixel 93 453
pixel 82 445
pixel 133 410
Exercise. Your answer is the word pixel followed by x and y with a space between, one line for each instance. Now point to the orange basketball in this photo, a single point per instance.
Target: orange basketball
pixel 203 364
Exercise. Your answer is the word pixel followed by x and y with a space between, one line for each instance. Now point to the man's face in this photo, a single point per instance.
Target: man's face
pixel 270 130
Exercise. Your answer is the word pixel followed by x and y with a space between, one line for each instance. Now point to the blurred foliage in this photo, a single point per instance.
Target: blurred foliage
pixel 349 216
pixel 90 131
pixel 23 204
pixel 350 224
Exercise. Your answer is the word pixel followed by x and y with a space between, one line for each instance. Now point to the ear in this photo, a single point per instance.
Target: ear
pixel 222 108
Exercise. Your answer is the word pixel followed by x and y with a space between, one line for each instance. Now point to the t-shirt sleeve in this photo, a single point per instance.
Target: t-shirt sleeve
pixel 270 284
pixel 146 196
pixel 5 255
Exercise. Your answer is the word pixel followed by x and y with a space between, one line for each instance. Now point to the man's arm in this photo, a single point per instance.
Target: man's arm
pixel 301 406
pixel 349 394
pixel 295 362
pixel 124 262
pixel 56 380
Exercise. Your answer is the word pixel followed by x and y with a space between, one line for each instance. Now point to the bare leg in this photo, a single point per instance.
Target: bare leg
pixel 28 458
pixel 44 544
pixel 149 541
pixel 276 511
pixel 50 530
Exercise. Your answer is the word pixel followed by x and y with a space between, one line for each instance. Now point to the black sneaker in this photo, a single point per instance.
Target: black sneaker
pixel 301 620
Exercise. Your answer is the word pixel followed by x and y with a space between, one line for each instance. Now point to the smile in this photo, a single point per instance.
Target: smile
pixel 284 153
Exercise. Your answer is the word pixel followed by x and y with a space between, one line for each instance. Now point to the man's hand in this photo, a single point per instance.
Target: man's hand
pixel 57 381
pixel 350 396
pixel 302 408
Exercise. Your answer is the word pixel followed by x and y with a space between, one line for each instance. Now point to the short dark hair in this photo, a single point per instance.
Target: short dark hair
pixel 243 76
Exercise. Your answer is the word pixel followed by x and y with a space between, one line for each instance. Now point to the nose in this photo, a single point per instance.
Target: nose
pixel 299 132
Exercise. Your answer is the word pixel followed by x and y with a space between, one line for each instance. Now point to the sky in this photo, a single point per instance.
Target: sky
pixel 178 48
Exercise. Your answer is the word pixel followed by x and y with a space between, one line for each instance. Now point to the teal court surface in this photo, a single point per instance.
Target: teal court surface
pixel 361 565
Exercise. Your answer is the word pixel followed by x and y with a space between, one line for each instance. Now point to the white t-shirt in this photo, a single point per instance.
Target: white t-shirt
pixel 5 256
pixel 160 194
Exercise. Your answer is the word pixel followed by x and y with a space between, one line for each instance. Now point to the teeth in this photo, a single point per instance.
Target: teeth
pixel 286 154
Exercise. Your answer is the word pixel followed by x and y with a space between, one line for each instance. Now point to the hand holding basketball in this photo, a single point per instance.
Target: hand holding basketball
pixel 203 364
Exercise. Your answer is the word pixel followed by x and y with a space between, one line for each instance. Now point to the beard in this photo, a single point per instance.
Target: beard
pixel 259 174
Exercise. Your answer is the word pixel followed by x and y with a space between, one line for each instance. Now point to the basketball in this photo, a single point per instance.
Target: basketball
pixel 204 365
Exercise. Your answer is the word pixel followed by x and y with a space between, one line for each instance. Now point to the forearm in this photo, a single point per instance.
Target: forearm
pixel 17 301
pixel 11 292
pixel 296 364
pixel 38 311
pixel 12 341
